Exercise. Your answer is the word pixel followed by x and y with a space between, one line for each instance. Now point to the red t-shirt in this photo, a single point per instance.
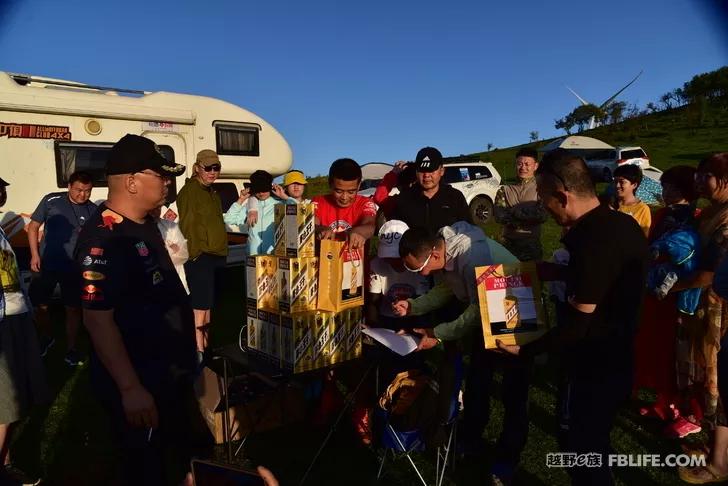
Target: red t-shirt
pixel 341 219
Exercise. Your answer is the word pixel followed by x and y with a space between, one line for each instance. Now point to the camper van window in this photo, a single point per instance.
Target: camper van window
pixel 91 158
pixel 237 140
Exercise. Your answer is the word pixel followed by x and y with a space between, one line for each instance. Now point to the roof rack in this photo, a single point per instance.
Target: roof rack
pixel 24 79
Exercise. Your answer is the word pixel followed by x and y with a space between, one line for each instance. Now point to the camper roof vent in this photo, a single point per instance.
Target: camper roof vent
pixel 26 80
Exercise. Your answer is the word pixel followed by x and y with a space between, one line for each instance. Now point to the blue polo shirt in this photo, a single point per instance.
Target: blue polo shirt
pixel 63 220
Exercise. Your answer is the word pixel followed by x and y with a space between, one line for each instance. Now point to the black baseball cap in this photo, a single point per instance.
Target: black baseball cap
pixel 428 159
pixel 133 153
pixel 260 181
pixel 3 183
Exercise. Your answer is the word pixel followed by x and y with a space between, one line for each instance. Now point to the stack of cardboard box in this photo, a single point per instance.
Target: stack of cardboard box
pixel 284 324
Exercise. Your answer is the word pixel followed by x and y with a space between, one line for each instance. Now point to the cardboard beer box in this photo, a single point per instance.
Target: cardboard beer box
pixel 354 318
pixel 253 330
pixel 274 339
pixel 297 284
pixel 337 343
pixel 264 332
pixel 296 338
pixel 294 230
pixel 510 303
pixel 323 331
pixel 261 282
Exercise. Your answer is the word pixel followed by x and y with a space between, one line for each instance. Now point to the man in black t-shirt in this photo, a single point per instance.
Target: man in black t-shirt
pixel 139 318
pixel 604 279
pixel 429 203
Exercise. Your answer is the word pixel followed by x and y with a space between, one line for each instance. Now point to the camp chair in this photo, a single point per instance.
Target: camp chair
pixel 403 443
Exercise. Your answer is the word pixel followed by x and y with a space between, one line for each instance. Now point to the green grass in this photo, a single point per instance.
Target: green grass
pixel 69 442
pixel 670 138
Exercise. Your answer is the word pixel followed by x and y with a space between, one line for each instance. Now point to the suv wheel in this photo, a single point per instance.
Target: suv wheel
pixel 481 209
pixel 607 175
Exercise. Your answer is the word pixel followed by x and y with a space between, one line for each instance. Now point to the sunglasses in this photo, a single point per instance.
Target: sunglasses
pixel 211 168
pixel 418 270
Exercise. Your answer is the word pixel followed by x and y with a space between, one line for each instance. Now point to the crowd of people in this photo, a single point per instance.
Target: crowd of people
pixel 639 297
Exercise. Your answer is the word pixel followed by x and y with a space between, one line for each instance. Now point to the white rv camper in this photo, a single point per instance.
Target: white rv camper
pixel 50 128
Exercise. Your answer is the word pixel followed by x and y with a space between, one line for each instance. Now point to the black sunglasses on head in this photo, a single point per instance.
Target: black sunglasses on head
pixel 213 167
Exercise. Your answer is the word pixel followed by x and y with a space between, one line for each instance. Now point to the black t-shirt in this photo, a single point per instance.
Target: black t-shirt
pixel 607 267
pixel 446 207
pixel 125 267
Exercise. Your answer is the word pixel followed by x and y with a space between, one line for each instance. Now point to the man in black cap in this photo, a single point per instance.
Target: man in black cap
pixel 140 321
pixel 428 203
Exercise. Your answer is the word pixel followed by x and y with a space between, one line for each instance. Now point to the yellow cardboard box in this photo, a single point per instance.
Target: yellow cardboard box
pixel 274 339
pixel 337 344
pixel 509 297
pixel 261 282
pixel 297 284
pixel 323 330
pixel 295 230
pixel 354 318
pixel 253 329
pixel 296 338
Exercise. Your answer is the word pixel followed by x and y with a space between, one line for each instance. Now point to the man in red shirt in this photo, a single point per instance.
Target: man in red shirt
pixel 343 213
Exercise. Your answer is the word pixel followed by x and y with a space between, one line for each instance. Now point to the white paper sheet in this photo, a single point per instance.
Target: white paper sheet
pixel 400 344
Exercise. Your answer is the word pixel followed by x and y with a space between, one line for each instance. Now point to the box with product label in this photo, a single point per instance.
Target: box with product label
pixel 354 318
pixel 274 339
pixel 337 343
pixel 297 284
pixel 296 341
pixel 253 330
pixel 323 331
pixel 294 230
pixel 261 282
pixel 509 297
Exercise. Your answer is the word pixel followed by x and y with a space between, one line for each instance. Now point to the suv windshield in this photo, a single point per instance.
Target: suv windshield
pixel 633 154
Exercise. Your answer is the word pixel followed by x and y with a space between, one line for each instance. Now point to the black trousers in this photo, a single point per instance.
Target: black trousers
pixel 588 407
pixel 162 458
pixel 476 398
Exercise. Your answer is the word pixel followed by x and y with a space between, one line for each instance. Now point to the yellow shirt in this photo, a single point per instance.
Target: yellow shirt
pixel 641 213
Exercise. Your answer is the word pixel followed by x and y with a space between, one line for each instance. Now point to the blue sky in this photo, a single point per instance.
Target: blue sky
pixel 374 80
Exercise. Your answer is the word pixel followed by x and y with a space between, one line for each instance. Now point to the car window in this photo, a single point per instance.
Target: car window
pixel 633 154
pixel 479 172
pixel 599 154
pixel 454 174
pixel 369 184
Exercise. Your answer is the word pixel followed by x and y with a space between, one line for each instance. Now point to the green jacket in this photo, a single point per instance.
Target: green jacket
pixel 200 219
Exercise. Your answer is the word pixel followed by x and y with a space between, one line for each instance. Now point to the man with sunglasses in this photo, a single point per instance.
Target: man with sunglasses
pixel 604 280
pixel 140 321
pixel 453 254
pixel 201 222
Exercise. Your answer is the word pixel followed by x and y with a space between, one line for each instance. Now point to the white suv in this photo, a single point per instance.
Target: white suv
pixel 478 181
pixel 603 162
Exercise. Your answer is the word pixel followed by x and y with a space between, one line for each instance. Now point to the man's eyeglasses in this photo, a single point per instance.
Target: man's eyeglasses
pixel 211 168
pixel 418 270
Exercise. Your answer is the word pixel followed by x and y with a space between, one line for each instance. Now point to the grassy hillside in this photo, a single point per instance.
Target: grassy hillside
pixel 679 136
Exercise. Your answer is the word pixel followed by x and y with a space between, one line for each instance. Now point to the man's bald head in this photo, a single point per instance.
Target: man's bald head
pixel 561 169
pixel 565 187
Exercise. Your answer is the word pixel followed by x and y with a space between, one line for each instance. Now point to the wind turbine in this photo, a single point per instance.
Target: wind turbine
pixel 592 120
